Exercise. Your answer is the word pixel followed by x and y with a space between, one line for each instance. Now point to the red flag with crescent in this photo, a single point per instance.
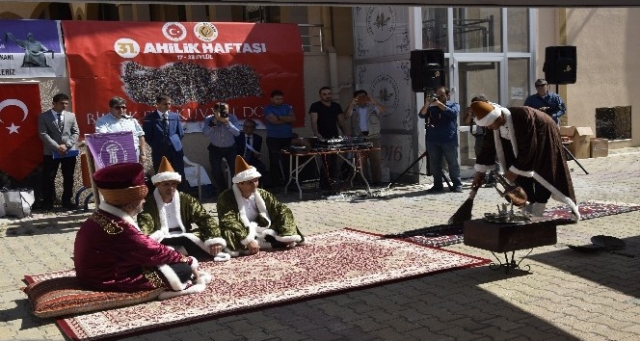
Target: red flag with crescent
pixel 21 150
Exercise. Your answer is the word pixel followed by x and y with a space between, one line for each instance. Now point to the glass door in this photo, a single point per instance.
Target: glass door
pixel 473 76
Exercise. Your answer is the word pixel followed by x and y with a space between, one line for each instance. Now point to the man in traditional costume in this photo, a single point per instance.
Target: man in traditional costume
pixel 251 218
pixel 168 214
pixel 528 145
pixel 112 254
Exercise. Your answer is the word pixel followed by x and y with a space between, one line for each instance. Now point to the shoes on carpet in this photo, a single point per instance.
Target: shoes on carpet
pixel 434 190
pixel 456 189
pixel 70 206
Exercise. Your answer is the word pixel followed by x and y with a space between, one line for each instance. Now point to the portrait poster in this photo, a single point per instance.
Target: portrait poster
pixel 197 64
pixel 30 49
pixel 21 150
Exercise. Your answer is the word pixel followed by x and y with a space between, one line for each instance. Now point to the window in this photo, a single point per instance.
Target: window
pixel 434 28
pixel 518 33
pixel 477 29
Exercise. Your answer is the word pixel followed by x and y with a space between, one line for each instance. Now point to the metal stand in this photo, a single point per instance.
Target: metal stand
pixel 566 150
pixel 509 263
pixel 425 154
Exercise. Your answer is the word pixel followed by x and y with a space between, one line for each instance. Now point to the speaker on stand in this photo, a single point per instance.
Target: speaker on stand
pixel 427 74
pixel 561 67
pixel 427 70
pixel 560 64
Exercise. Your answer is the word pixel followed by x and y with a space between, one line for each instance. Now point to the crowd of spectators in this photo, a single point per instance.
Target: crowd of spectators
pixel 189 82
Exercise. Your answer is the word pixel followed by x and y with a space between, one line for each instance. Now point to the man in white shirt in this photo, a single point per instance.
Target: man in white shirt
pixel 117 120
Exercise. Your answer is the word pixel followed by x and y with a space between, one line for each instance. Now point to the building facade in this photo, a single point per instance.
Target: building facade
pixel 498 52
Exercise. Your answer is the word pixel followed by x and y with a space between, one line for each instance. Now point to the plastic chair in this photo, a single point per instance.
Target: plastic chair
pixel 200 172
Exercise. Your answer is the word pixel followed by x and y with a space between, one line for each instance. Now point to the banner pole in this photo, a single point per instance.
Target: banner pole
pixel 92 169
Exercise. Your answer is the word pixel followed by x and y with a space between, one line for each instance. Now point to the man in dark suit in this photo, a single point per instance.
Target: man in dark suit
pixel 59 133
pixel 163 132
pixel 248 145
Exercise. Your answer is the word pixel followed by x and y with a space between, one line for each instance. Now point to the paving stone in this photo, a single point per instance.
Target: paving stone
pixel 567 296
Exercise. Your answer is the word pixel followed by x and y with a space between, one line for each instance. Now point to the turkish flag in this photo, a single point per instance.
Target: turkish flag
pixel 21 150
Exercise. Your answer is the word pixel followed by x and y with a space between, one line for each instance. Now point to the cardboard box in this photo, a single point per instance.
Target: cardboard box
pixel 580 146
pixel 599 148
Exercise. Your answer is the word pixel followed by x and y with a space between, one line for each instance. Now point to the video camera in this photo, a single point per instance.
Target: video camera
pixel 223 112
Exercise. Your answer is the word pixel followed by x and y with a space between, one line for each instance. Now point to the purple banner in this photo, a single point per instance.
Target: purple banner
pixel 111 148
pixel 31 48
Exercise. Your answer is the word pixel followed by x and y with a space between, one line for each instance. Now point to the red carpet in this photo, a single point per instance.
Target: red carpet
pixel 443 235
pixel 328 263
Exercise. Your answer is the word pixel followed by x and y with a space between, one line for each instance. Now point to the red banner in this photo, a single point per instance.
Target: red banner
pixel 196 64
pixel 21 150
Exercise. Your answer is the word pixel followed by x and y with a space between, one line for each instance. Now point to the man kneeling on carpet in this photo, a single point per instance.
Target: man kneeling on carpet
pixel 112 254
pixel 252 218
pixel 168 214
pixel 529 148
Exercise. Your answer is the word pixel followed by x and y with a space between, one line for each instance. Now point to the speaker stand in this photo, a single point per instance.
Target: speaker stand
pixel 567 152
pixel 424 154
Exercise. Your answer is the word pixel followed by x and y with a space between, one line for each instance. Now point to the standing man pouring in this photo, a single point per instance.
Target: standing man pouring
pixel 221 130
pixel 546 101
pixel 441 122
pixel 163 131
pixel 326 117
pixel 529 148
pixel 116 120
pixel 59 133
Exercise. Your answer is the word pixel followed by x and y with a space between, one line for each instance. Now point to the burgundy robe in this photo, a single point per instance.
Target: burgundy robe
pixel 110 253
pixel 536 153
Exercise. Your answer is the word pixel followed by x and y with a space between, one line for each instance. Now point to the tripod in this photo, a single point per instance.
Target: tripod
pixel 424 154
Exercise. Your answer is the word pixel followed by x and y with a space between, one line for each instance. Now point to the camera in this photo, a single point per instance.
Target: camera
pixel 223 112
pixel 432 98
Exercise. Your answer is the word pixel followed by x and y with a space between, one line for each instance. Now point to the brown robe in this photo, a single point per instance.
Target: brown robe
pixel 536 153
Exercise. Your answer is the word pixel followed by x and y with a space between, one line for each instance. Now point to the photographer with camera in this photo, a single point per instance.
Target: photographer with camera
pixel 221 128
pixel 441 124
pixel 545 101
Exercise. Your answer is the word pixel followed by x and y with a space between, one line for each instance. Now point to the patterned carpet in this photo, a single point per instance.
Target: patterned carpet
pixel 328 263
pixel 443 235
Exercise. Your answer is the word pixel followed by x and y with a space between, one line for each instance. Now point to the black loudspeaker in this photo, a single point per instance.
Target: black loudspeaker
pixel 560 64
pixel 427 69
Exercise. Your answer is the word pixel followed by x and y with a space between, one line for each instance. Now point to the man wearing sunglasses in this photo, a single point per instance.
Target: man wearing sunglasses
pixel 549 102
pixel 117 120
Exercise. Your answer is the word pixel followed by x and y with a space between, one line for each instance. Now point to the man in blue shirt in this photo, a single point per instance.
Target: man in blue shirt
pixel 279 119
pixel 441 122
pixel 221 128
pixel 548 102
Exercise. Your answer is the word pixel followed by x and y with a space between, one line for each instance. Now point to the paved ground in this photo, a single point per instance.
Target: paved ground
pixel 566 296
